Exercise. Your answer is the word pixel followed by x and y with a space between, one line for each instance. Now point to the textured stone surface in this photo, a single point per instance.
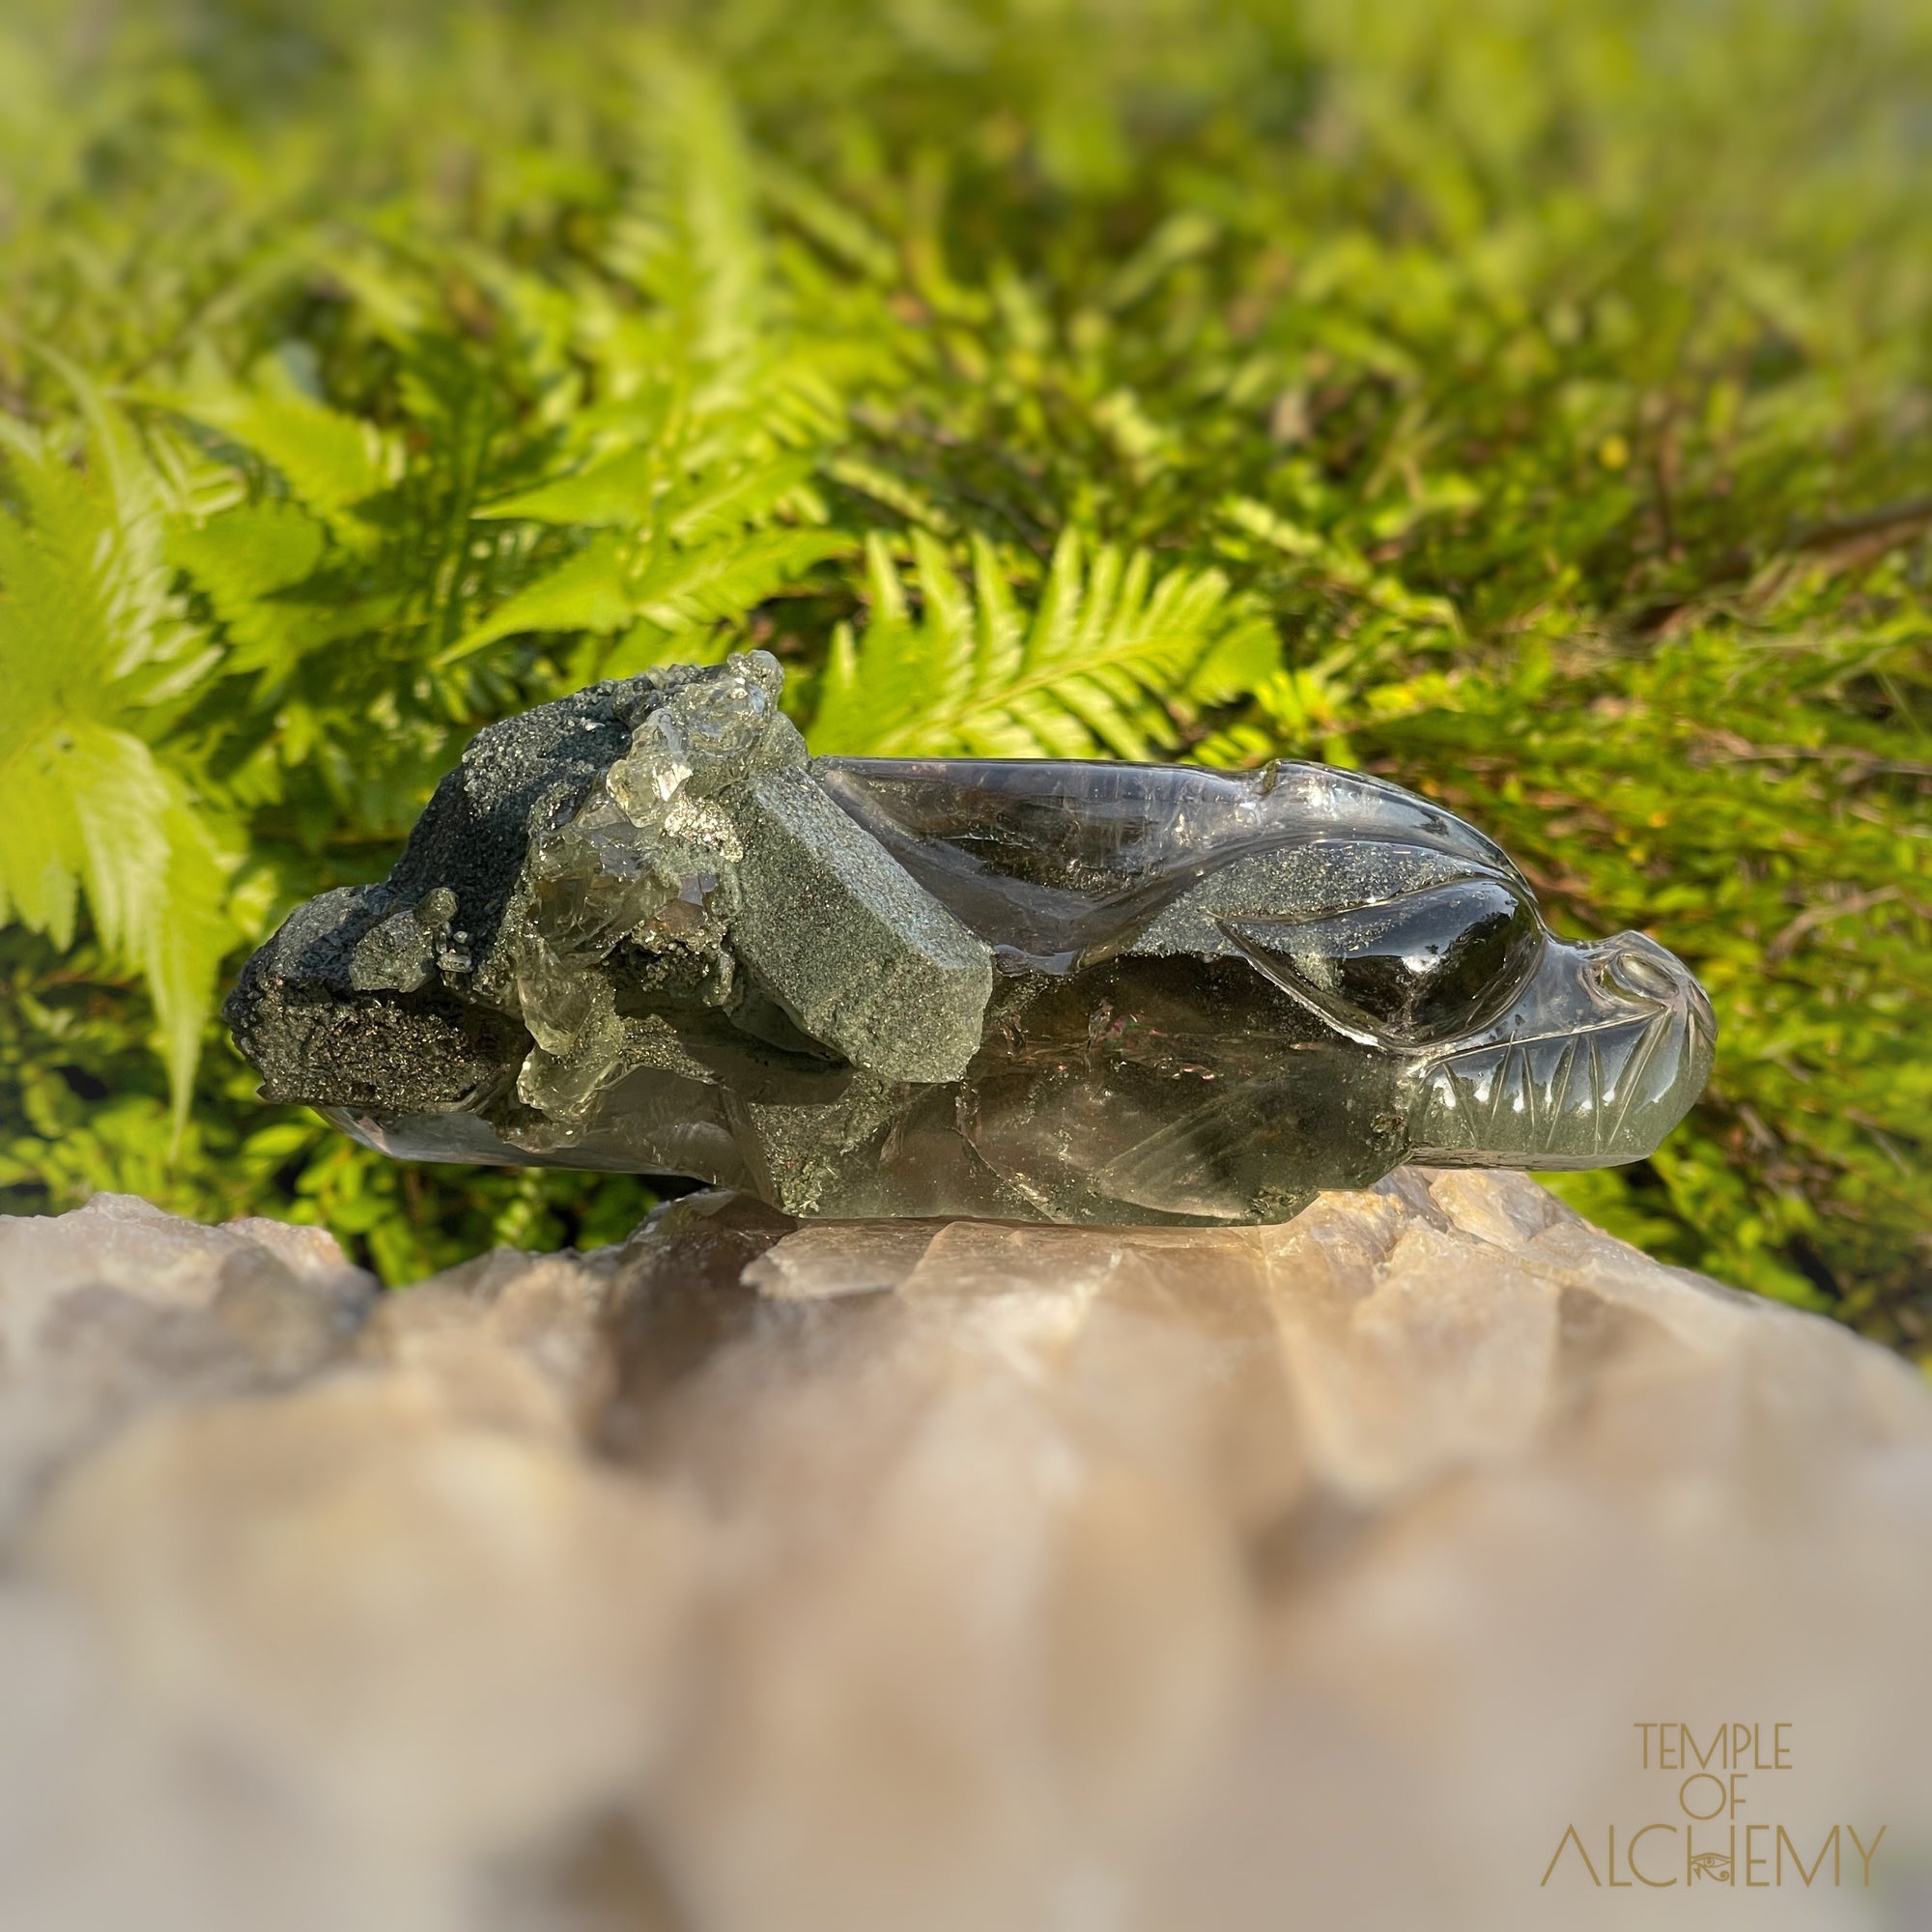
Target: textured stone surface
pixel 849 944
pixel 108 1311
pixel 939 1576
pixel 640 928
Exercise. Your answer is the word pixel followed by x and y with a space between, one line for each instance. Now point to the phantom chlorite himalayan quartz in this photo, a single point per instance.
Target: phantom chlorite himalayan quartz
pixel 643 930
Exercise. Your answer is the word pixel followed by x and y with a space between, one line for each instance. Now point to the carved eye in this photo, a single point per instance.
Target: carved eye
pixel 1443 960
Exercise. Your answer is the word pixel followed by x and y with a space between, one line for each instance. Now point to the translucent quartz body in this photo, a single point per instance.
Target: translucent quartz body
pixel 1048 990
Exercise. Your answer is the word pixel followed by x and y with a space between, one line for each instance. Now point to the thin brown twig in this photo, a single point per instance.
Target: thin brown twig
pixel 1808 920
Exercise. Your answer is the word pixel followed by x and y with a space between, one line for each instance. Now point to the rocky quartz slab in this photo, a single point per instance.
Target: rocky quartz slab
pixel 946 1576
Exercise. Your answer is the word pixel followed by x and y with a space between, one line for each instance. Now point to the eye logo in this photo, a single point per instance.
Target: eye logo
pixel 1712 1864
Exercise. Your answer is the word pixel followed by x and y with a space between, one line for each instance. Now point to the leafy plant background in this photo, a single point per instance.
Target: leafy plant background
pixel 1532 403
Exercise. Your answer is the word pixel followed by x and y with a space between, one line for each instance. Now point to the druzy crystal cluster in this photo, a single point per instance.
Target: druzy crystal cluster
pixel 642 928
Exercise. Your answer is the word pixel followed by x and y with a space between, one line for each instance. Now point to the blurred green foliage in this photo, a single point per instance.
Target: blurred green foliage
pixel 1530 402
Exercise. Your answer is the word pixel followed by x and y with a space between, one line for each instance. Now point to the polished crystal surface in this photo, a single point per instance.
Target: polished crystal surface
pixel 643 930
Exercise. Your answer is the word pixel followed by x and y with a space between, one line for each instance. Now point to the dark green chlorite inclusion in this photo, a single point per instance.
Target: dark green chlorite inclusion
pixel 643 930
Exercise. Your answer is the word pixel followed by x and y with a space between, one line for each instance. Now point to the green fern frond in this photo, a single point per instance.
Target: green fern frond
pixel 620 489
pixel 331 463
pixel 688 487
pixel 1113 660
pixel 610 584
pixel 590 591
pixel 92 650
pixel 723 581
pixel 702 204
pixel 240 558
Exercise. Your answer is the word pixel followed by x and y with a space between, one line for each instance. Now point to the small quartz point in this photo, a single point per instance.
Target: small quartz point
pixel 643 930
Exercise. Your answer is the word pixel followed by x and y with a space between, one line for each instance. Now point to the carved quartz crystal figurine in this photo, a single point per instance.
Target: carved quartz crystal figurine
pixel 642 928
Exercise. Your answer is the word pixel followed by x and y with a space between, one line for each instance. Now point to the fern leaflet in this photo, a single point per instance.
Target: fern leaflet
pixel 1113 660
